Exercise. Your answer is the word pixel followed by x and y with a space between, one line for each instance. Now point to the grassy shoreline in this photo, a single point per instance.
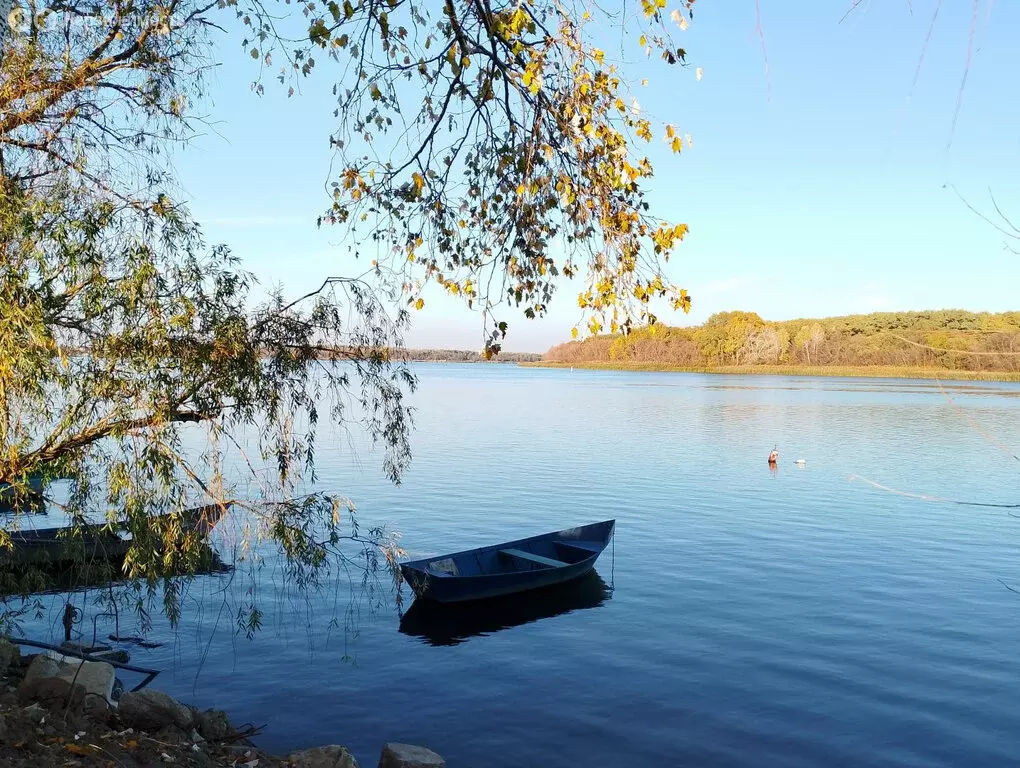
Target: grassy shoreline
pixel 871 371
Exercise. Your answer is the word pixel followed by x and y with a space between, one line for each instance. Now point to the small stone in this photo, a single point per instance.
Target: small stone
pixel 96 709
pixel 151 710
pixel 213 724
pixel 395 755
pixel 332 756
pixel 35 714
pixel 171 734
pixel 202 760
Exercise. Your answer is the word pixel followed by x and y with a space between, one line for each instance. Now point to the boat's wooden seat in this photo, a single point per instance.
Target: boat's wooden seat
pixel 522 555
pixel 586 546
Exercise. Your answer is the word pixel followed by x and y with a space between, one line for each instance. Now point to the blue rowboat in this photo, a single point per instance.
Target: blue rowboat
pixel 514 566
pixel 94 543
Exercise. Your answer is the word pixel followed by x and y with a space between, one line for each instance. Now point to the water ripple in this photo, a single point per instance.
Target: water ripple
pixel 800 619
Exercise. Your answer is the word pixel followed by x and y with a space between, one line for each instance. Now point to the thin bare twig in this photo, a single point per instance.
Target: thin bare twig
pixel 976 6
pixel 764 53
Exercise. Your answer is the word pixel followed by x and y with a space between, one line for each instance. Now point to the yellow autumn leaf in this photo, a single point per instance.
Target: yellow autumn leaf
pixel 419 304
pixel 531 79
pixel 573 332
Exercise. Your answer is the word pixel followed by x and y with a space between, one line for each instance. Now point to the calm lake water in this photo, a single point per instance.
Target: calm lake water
pixel 802 618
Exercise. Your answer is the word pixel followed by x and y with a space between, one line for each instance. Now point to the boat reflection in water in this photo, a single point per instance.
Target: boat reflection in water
pixel 455 623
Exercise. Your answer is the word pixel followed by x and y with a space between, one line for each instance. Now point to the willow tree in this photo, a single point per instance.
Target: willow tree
pixel 492 149
pixel 512 150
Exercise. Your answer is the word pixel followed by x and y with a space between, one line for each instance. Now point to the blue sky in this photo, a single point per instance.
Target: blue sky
pixel 818 190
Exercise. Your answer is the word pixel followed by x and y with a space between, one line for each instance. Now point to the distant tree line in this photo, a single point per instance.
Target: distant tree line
pixel 950 339
pixel 465 356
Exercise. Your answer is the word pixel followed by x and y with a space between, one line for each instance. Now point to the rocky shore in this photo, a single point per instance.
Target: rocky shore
pixel 57 711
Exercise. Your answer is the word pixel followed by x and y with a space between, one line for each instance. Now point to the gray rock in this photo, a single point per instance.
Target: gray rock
pixel 70 681
pixel 333 756
pixel 41 666
pixel 49 691
pixel 96 709
pixel 213 725
pixel 171 734
pixel 96 677
pixel 202 760
pixel 396 755
pixel 10 654
pixel 117 655
pixel 97 652
pixel 151 710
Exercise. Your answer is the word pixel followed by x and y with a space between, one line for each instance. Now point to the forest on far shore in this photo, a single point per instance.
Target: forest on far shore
pixel 464 356
pixel 949 339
